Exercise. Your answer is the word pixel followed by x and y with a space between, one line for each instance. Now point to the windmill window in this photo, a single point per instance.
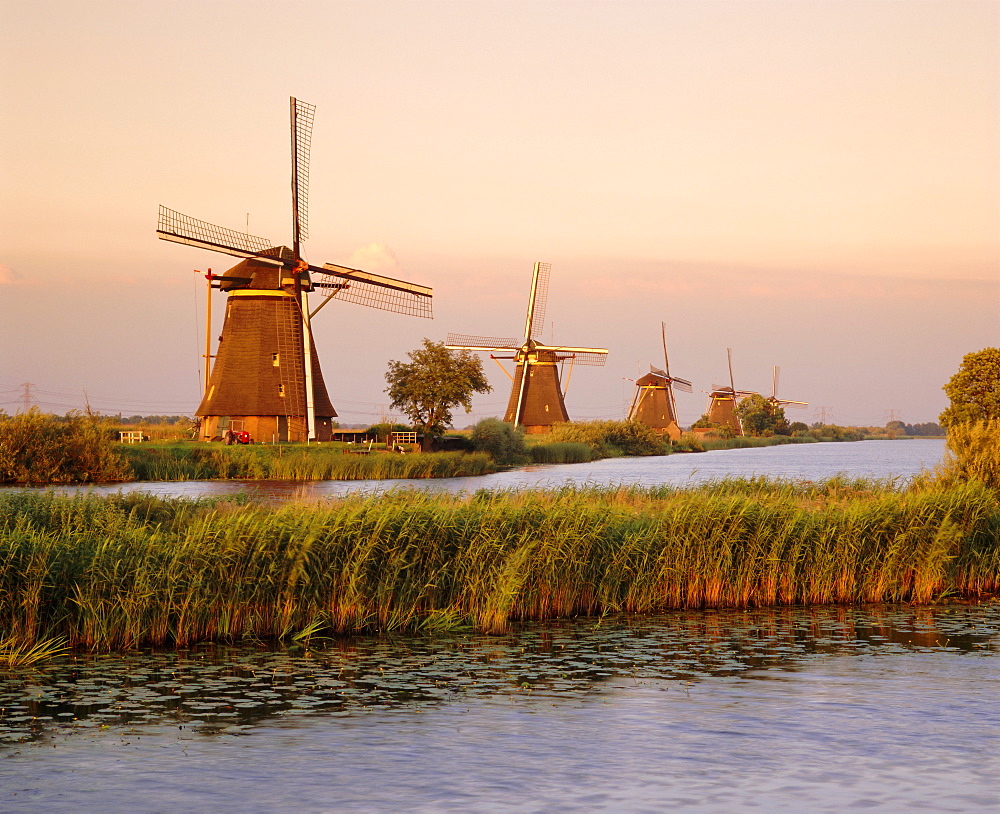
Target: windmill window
pixel 276 359
pixel 281 390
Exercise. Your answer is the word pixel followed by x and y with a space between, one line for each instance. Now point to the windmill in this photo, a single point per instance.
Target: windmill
pixel 775 401
pixel 722 402
pixel 653 403
pixel 536 397
pixel 267 379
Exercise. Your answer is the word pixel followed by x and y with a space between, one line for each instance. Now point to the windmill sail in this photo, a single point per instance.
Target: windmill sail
pixel 798 405
pixel 302 123
pixel 537 301
pixel 178 228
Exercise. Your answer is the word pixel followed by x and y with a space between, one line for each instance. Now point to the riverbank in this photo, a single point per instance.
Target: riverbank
pixel 131 570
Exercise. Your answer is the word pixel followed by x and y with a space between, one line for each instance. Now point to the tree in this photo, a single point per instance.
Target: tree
pixel 759 416
pixel 434 381
pixel 974 391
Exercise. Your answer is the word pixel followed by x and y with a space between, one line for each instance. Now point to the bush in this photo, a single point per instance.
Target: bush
pixel 40 448
pixel 502 441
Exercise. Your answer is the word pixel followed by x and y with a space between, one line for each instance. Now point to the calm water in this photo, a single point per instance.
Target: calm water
pixel 869 459
pixel 820 709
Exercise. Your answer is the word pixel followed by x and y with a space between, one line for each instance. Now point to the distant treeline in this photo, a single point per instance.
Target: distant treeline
pixel 928 428
pixel 169 420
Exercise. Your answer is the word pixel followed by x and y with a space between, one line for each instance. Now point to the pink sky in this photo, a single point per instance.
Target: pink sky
pixel 813 184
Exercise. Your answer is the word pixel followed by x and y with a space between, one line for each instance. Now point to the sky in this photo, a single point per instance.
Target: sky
pixel 814 184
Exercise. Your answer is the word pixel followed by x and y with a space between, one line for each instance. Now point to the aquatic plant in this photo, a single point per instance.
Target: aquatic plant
pixel 17 653
pixel 129 570
pixel 562 452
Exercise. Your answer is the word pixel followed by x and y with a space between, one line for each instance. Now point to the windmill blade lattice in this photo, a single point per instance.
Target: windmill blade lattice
pixel 303 115
pixel 483 342
pixel 179 228
pixel 373 290
pixel 538 300
pixel 595 358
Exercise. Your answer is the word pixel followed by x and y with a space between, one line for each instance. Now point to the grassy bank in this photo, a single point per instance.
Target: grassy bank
pixel 186 461
pixel 124 571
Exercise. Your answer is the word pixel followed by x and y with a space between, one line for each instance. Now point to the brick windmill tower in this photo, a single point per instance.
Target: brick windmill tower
pixel 266 379
pixel 653 403
pixel 536 397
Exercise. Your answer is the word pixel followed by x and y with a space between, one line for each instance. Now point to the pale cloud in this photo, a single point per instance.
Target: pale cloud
pixel 376 258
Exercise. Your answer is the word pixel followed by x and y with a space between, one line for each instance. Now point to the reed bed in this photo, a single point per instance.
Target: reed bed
pixel 564 452
pixel 208 462
pixel 129 570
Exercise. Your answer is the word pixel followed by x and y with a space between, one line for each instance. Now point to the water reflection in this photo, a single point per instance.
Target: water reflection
pixel 216 689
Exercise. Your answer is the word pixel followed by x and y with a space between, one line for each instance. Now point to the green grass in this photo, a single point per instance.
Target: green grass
pixel 127 571
pixel 187 461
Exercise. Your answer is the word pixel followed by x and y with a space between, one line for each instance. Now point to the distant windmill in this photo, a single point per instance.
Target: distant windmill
pixel 773 398
pixel 536 397
pixel 266 379
pixel 723 400
pixel 654 404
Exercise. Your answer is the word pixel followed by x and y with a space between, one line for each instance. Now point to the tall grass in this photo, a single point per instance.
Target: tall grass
pixel 611 439
pixel 125 571
pixel 562 452
pixel 207 462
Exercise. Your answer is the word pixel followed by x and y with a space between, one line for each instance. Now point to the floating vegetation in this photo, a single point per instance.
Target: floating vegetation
pixel 213 690
pixel 132 570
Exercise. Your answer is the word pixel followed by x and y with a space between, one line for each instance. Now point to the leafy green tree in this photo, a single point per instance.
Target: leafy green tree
pixel 974 391
pixel 434 381
pixel 760 416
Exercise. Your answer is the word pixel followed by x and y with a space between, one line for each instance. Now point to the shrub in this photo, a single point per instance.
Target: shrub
pixel 40 448
pixel 502 441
